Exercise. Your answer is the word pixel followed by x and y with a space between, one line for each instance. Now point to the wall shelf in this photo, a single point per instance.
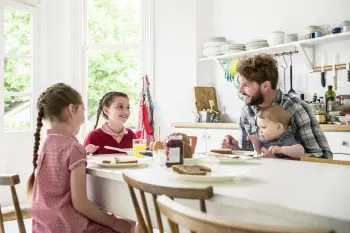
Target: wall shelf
pixel 324 127
pixel 305 48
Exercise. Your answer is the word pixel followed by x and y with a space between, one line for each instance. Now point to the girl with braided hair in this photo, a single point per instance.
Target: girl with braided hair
pixel 115 108
pixel 58 182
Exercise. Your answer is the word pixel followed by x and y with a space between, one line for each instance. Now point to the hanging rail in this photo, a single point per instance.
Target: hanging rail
pixel 329 68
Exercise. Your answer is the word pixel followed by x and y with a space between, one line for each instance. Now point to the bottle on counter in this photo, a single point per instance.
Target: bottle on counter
pixel 329 96
pixel 314 98
pixel 302 96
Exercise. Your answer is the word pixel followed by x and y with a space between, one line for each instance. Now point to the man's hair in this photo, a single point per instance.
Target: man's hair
pixel 275 113
pixel 259 68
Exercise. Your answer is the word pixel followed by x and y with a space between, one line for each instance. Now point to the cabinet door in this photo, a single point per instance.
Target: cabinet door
pixel 339 142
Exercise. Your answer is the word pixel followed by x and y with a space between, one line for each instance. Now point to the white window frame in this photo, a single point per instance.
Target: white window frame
pixel 145 47
pixel 10 4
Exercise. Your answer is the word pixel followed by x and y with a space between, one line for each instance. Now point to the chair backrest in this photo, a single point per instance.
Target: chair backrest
pixel 321 160
pixel 200 194
pixel 193 220
pixel 12 180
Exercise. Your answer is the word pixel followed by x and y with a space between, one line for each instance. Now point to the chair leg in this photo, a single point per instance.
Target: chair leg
pixel 2 228
pixel 20 222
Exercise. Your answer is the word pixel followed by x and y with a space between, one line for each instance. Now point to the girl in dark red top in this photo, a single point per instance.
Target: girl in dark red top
pixel 115 108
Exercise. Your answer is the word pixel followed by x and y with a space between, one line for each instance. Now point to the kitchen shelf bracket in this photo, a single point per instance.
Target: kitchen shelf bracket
pixel 306 53
pixel 221 64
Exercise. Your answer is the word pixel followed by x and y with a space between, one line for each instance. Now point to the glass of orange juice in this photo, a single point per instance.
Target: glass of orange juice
pixel 139 145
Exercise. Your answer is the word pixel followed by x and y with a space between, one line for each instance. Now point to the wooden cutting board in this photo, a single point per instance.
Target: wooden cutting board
pixel 202 96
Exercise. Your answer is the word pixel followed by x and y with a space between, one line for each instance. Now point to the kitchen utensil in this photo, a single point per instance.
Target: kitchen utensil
pixel 202 97
pixel 118 149
pixel 348 70
pixel 291 91
pixel 336 30
pixel 334 73
pixel 284 67
pixel 323 74
pixel 318 34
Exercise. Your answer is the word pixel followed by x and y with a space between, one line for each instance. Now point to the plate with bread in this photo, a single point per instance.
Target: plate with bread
pixel 118 163
pixel 200 173
pixel 231 153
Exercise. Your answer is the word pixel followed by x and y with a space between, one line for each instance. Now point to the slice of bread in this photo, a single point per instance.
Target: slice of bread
pixel 222 151
pixel 118 161
pixel 191 169
pixel 107 161
pixel 227 152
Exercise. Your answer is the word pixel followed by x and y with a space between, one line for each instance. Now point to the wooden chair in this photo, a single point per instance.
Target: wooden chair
pixel 321 160
pixel 200 194
pixel 193 141
pixel 12 180
pixel 206 223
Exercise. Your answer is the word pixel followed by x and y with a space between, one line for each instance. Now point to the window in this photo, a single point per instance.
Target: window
pixel 16 69
pixel 112 51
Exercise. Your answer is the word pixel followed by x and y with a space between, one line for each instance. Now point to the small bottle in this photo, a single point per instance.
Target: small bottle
pixel 329 96
pixel 302 97
pixel 174 150
pixel 314 98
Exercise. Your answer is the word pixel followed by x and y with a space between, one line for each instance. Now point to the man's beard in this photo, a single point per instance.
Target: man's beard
pixel 256 100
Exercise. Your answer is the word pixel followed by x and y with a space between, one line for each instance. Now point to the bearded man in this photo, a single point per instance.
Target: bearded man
pixel 258 79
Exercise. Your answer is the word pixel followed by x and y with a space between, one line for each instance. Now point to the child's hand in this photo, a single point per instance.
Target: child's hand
pixel 266 153
pixel 91 148
pixel 123 226
pixel 275 150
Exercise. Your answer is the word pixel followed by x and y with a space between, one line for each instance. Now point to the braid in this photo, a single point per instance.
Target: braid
pixel 99 110
pixel 36 148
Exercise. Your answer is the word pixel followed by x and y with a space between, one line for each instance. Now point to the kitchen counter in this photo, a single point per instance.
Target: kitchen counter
pixel 324 127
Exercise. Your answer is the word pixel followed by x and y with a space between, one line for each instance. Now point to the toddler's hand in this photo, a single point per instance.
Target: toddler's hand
pixel 90 149
pixel 275 150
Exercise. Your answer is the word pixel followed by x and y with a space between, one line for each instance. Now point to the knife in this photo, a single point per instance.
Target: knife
pixel 334 74
pixel 323 74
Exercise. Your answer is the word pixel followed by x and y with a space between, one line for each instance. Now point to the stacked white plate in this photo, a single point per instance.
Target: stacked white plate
pixel 231 48
pixel 213 45
pixel 256 44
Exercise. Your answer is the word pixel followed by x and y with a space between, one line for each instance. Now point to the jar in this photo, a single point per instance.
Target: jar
pixel 174 150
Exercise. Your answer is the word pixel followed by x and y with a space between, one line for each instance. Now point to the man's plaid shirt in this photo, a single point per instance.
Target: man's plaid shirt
pixel 304 126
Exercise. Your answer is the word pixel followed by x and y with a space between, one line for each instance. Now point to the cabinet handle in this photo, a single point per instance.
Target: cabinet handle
pixel 344 143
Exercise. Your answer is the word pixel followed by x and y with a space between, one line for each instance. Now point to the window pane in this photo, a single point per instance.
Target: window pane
pixel 17 32
pixel 17 113
pixel 17 75
pixel 112 71
pixel 113 21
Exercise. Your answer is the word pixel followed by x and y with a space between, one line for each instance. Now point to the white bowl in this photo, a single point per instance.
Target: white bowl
pixel 290 38
pixel 276 38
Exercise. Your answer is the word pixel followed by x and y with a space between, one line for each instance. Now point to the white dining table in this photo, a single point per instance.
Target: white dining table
pixel 264 191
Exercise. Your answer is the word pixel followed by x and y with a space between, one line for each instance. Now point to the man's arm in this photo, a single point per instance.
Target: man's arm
pixel 306 132
pixel 246 144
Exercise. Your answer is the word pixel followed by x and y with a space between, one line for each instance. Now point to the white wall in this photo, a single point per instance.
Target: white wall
pixel 242 21
pixel 174 61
